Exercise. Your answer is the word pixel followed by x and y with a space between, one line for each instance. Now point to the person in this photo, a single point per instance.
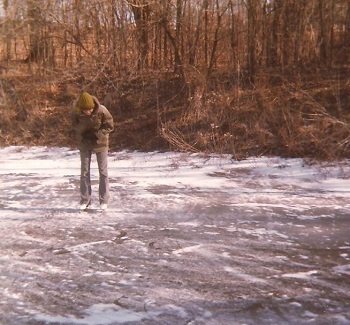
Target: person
pixel 92 123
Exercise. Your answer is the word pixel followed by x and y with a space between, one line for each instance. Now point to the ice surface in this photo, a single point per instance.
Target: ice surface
pixel 187 239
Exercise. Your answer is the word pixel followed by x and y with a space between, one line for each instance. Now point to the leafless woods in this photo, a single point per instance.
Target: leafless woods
pixel 176 35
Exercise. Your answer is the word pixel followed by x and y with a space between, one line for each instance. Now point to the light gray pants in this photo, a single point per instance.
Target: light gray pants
pixel 85 180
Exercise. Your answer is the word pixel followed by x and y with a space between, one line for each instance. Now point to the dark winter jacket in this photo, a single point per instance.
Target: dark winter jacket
pixel 92 131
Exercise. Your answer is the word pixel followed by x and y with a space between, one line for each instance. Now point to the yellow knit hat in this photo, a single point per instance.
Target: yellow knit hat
pixel 85 101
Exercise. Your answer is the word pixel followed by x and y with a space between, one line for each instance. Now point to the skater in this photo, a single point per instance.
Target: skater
pixel 93 123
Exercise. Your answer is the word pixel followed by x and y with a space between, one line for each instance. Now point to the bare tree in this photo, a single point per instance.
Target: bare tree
pixel 39 39
pixel 219 15
pixel 252 8
pixel 180 34
pixel 140 9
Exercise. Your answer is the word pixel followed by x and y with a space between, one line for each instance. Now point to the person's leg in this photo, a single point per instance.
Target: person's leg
pixel 102 160
pixel 85 181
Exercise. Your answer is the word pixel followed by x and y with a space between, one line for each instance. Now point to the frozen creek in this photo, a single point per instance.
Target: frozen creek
pixel 187 239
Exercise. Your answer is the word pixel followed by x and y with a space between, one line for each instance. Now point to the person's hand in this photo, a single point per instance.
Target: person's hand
pixel 101 136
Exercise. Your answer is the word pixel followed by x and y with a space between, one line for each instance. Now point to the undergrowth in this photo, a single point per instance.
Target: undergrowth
pixel 285 114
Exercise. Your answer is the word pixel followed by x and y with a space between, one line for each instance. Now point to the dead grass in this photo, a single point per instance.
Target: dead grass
pixel 290 118
pixel 289 115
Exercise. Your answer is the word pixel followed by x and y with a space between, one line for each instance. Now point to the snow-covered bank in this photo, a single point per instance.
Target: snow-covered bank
pixel 187 239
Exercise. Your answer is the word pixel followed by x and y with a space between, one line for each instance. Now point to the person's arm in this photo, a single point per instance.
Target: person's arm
pixel 74 117
pixel 107 125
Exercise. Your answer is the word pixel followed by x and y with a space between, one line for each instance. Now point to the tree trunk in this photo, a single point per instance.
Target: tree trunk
pixel 219 16
pixel 37 43
pixel 194 45
pixel 252 35
pixel 322 39
pixel 140 10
